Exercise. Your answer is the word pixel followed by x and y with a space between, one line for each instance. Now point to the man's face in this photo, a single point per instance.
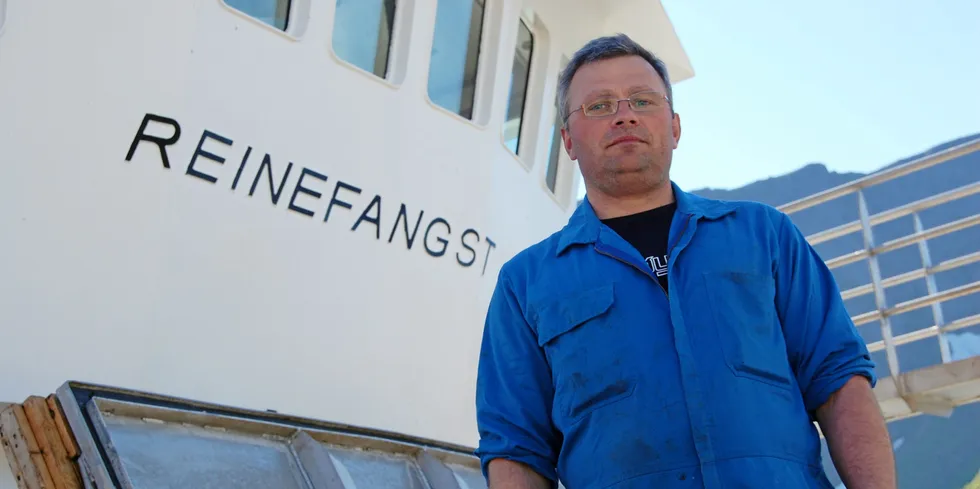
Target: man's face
pixel 610 165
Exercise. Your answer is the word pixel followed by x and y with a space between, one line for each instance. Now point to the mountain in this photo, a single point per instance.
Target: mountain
pixel 931 452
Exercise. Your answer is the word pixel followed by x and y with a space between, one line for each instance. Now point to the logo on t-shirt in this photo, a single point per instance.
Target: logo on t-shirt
pixel 658 264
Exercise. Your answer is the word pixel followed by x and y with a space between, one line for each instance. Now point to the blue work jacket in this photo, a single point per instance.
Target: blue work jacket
pixel 590 371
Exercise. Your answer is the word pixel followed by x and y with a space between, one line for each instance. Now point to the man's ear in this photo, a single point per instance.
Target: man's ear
pixel 566 140
pixel 676 126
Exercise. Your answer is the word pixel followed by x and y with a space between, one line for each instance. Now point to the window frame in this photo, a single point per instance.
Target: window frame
pixel 397 54
pixel 297 18
pixel 565 179
pixel 527 108
pixel 311 441
pixel 487 57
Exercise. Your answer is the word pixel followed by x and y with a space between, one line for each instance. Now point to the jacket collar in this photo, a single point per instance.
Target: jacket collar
pixel 583 226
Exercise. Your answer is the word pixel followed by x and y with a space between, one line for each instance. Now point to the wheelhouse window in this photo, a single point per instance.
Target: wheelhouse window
pixel 556 143
pixel 455 55
pixel 362 33
pixel 519 76
pixel 551 176
pixel 272 12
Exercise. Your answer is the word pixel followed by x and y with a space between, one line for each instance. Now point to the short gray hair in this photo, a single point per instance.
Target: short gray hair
pixel 605 48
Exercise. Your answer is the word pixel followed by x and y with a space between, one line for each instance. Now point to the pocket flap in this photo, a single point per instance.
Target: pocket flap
pixel 563 315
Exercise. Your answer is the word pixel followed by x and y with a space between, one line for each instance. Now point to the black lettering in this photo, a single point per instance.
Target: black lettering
pixel 468 247
pixel 241 167
pixel 443 241
pixel 335 200
pixel 211 156
pixel 409 239
pixel 490 245
pixel 373 220
pixel 160 142
pixel 267 164
pixel 300 188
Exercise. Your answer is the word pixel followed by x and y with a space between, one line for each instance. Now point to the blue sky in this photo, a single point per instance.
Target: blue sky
pixel 853 84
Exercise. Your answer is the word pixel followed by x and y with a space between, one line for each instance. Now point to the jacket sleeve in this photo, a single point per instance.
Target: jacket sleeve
pixel 514 390
pixel 823 344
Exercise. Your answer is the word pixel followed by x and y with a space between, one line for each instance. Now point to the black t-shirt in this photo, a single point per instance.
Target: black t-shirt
pixel 647 231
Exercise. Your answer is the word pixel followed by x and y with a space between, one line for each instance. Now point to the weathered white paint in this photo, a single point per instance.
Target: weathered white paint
pixel 7 480
pixel 125 273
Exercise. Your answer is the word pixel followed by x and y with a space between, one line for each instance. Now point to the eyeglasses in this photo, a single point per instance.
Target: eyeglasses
pixel 639 102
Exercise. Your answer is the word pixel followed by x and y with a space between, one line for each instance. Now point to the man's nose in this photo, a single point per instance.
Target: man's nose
pixel 625 114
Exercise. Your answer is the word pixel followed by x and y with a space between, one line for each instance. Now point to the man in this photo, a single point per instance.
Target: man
pixel 662 340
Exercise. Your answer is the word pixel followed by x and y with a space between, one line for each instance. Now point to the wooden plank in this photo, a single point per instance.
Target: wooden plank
pixel 23 428
pixel 41 419
pixel 937 389
pixel 67 439
pixel 22 449
pixel 44 475
pixel 8 451
pixel 42 472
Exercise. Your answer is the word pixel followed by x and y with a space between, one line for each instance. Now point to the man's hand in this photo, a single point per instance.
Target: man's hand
pixel 857 437
pixel 506 474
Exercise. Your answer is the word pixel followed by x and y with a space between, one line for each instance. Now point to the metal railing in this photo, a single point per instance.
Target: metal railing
pixel 871 250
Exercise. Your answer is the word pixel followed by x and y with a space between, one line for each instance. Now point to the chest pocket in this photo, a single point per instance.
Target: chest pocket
pixel 585 347
pixel 743 313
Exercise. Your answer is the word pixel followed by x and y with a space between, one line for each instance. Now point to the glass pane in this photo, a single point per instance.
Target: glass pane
pixel 272 12
pixel 551 177
pixel 369 469
pixel 518 87
pixel 159 455
pixel 468 478
pixel 362 33
pixel 455 52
